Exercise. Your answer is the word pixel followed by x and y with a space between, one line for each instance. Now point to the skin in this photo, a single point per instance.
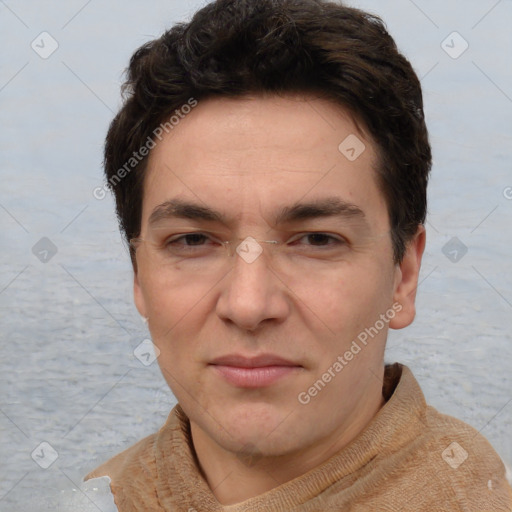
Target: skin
pixel 248 157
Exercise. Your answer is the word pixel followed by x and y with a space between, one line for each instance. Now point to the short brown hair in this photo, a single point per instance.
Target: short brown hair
pixel 239 47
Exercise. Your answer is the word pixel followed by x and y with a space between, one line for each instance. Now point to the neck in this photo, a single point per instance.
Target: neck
pixel 235 477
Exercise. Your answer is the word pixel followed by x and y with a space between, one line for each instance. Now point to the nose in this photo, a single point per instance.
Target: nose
pixel 252 293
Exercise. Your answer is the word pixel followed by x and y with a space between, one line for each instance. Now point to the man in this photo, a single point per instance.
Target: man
pixel 270 166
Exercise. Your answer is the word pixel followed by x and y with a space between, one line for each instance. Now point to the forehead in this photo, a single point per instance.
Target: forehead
pixel 247 155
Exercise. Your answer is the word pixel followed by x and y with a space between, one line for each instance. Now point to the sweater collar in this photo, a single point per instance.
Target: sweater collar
pixel 181 485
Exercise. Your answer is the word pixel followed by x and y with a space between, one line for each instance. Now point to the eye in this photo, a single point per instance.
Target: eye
pixel 190 243
pixel 320 240
pixel 188 239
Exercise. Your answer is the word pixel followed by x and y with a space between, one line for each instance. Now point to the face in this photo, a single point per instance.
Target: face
pixel 274 341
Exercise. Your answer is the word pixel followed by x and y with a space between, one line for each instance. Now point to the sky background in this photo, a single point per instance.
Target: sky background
pixel 69 376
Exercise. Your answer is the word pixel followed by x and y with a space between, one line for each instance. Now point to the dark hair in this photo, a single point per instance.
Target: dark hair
pixel 241 47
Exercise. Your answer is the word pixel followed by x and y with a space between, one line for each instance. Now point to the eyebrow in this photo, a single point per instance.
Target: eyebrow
pixel 326 207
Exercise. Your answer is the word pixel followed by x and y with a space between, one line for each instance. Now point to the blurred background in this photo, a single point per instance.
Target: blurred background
pixel 74 389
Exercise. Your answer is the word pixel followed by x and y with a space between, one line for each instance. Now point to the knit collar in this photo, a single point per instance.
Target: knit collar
pixel 181 486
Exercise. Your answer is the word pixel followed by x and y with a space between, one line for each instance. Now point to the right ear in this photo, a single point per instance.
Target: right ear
pixel 138 294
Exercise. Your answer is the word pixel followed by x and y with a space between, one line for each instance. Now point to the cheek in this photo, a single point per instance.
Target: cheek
pixel 350 300
pixel 176 315
pixel 175 307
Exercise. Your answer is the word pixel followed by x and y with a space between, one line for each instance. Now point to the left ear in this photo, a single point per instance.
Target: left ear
pixel 406 280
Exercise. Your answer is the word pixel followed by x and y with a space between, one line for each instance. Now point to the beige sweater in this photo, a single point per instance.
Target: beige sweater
pixel 409 458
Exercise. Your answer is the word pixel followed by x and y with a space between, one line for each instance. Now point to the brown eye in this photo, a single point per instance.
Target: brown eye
pixel 194 238
pixel 187 240
pixel 319 240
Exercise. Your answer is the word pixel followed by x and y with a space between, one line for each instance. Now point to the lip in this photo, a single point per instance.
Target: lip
pixel 253 372
pixel 259 361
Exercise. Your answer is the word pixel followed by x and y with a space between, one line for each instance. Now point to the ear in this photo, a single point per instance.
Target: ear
pixel 406 280
pixel 138 294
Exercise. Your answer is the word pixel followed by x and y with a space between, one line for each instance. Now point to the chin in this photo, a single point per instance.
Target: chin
pixel 262 426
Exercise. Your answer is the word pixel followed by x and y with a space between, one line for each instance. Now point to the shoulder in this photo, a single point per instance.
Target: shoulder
pixel 443 459
pixel 136 457
pixel 460 446
pixel 140 474
pixel 132 473
pixel 464 464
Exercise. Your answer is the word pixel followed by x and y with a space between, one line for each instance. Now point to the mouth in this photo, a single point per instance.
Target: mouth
pixel 253 372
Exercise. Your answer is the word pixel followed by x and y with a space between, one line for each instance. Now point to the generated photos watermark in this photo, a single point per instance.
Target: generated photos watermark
pixel 304 397
pixel 137 156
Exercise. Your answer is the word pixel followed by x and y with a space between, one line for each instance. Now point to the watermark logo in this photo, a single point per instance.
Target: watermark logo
pixel 454 455
pixel 249 250
pixel 454 250
pixel 44 455
pixel 44 250
pixel 250 455
pixel 352 147
pixel 146 352
pixel 44 45
pixel 454 45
